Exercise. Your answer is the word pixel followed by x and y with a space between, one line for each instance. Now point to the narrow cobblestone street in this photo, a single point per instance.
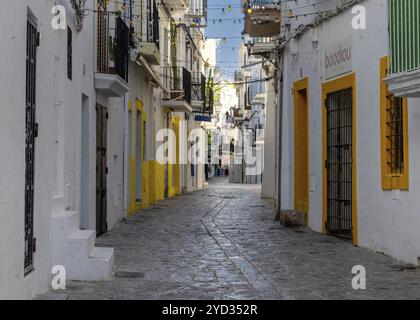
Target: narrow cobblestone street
pixel 223 243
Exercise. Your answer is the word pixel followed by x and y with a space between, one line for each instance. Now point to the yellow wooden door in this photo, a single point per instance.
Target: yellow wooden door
pixel 301 113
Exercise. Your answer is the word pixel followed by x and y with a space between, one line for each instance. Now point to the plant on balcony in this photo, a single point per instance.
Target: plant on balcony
pixel 79 7
pixel 111 48
pixel 173 33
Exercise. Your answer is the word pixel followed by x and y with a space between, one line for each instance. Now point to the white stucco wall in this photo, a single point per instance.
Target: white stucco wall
pixel 59 109
pixel 384 224
pixel 268 187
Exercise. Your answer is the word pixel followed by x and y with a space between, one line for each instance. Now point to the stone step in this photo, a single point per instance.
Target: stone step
pixel 96 267
pixel 67 222
pixel 82 242
pixel 292 218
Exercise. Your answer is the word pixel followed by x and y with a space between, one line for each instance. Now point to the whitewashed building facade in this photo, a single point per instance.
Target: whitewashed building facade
pixel 349 146
pixel 48 150
pixel 73 161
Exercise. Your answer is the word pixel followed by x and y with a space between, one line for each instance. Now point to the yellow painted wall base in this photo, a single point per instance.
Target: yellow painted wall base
pixel 145 185
pixel 156 182
pixel 132 208
pixel 171 188
pixel 177 167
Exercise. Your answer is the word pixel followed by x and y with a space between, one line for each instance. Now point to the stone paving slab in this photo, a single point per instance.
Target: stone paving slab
pixel 223 243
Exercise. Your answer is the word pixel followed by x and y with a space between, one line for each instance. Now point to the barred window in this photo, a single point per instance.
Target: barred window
pixel 394 136
pixel 69 54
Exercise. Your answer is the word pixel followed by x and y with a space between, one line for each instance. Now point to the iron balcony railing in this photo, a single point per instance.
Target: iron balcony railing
pixel 153 23
pixel 198 8
pixel 112 45
pixel 178 81
pixel 404 35
pixel 263 40
pixel 262 4
pixel 198 87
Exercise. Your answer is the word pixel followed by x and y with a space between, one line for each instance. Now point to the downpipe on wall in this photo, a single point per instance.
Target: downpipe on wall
pixel 279 77
pixel 126 152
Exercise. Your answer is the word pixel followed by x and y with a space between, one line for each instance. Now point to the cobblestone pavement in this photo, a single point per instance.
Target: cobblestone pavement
pixel 223 243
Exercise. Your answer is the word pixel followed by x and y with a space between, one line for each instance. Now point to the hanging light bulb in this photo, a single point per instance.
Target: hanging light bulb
pixel 249 9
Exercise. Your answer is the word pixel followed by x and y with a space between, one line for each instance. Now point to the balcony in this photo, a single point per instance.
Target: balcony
pixel 149 49
pixel 175 5
pixel 178 81
pixel 239 76
pixel 259 99
pixel 197 9
pixel 198 92
pixel 262 18
pixel 405 84
pixel 404 39
pixel 263 47
pixel 112 61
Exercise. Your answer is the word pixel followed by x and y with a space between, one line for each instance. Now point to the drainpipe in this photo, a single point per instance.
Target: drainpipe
pixel 280 129
pixel 126 152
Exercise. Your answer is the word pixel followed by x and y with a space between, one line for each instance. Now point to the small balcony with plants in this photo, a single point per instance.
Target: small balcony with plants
pixel 111 77
pixel 149 44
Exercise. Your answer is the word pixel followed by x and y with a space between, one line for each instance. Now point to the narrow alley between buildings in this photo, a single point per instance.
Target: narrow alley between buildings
pixel 210 149
pixel 224 243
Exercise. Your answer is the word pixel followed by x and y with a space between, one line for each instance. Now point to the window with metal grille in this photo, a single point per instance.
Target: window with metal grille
pixel 69 54
pixel 394 136
pixel 32 39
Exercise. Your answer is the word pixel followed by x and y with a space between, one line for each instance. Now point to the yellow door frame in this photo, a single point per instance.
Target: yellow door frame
pixel 177 167
pixel 391 181
pixel 156 172
pixel 145 163
pixel 132 161
pixel 301 122
pixel 139 140
pixel 342 83
pixel 134 112
pixel 170 173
